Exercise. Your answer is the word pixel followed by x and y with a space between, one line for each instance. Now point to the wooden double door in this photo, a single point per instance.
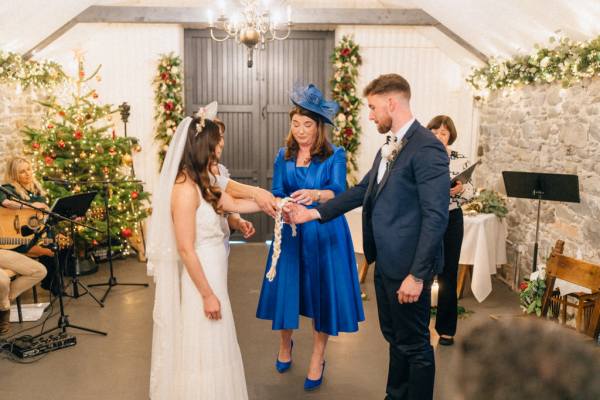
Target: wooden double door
pixel 253 102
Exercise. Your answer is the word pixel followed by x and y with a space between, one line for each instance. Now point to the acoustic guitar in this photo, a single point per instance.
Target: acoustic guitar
pixel 18 227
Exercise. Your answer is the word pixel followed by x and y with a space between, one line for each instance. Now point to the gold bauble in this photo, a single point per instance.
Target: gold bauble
pixel 137 148
pixel 83 155
pixel 127 159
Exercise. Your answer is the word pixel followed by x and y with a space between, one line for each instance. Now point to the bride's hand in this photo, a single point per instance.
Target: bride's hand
pixel 212 307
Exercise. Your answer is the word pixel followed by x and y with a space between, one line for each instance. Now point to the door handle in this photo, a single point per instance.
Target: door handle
pixel 263 112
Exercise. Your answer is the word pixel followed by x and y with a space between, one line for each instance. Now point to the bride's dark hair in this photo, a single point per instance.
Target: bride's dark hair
pixel 198 156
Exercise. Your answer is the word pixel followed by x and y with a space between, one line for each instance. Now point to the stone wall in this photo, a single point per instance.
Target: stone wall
pixel 17 110
pixel 546 128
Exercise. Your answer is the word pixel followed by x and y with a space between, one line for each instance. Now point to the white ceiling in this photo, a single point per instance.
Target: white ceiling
pixel 496 28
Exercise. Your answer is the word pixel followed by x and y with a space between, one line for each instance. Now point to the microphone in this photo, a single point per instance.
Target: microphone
pixel 62 182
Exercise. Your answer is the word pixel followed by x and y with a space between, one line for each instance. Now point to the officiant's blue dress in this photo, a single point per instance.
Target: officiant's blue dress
pixel 316 272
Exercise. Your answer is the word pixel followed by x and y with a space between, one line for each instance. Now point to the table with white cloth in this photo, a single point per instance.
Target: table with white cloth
pixel 483 247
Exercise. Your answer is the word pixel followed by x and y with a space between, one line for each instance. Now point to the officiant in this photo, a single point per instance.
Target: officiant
pixel 447 313
pixel 316 274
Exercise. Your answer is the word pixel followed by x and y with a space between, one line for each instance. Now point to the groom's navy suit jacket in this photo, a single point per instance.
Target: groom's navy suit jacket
pixel 404 217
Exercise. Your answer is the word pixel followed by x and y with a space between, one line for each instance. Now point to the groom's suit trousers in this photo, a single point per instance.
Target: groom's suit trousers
pixel 405 327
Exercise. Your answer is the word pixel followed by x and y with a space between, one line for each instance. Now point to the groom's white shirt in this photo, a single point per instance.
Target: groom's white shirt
pixel 399 135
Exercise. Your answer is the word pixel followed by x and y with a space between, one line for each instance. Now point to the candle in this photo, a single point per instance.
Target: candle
pixel 209 15
pixel 435 287
pixel 289 13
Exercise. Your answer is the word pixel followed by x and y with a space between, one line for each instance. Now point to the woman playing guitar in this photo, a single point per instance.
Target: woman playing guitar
pixel 22 183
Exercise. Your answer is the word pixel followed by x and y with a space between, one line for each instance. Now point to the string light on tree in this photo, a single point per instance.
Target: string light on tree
pixel 78 142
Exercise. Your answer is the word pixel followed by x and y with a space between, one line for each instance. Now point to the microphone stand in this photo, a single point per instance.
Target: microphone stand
pixel 112 280
pixel 63 320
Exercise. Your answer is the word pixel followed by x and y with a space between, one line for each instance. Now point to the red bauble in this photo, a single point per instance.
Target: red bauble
pixel 61 144
pixel 345 52
pixel 94 242
pixel 35 145
pixel 78 134
pixel 50 126
pixel 348 132
pixel 48 160
pixel 164 76
pixel 61 113
pixel 168 106
pixel 126 232
pixel 134 195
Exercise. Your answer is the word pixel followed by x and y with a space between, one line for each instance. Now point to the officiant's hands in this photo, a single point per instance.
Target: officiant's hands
pixel 212 306
pixel 304 196
pixel 410 290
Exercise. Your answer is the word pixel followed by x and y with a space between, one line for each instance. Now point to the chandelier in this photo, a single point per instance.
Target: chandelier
pixel 254 27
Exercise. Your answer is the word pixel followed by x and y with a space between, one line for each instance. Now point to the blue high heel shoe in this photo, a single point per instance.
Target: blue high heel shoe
pixel 310 384
pixel 284 366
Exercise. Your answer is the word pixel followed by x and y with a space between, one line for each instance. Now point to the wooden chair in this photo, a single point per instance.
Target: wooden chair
pixel 362 272
pixel 464 270
pixel 12 275
pixel 580 273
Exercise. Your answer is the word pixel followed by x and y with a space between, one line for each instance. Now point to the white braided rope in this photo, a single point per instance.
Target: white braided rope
pixel 277 239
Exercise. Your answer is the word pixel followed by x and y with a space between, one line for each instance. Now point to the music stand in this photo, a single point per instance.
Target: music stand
pixel 72 207
pixel 541 186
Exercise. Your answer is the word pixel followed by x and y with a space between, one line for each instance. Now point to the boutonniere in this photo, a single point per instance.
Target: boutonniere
pixel 391 149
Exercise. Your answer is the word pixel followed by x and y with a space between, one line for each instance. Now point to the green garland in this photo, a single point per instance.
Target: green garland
pixel 168 94
pixel 487 201
pixel 568 62
pixel 38 74
pixel 346 60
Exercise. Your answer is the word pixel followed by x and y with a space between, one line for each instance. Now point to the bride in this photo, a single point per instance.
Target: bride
pixel 195 352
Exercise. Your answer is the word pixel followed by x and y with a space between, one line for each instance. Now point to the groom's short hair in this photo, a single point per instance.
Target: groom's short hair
pixel 388 83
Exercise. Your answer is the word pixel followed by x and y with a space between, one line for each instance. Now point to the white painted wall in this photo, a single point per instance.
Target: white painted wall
pixel 128 54
pixel 431 62
pixel 436 71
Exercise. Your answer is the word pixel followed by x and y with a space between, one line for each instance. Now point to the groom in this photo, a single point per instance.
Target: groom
pixel 404 199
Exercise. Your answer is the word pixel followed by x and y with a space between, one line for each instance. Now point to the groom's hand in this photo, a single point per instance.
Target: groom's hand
pixel 266 201
pixel 298 214
pixel 410 290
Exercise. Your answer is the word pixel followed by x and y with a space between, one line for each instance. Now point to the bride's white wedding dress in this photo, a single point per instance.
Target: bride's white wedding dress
pixel 211 363
pixel 193 358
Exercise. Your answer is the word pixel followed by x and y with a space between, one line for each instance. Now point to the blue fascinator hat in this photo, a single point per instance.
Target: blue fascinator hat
pixel 310 98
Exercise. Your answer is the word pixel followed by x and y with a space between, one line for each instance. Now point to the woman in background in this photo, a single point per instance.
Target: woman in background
pixel 447 313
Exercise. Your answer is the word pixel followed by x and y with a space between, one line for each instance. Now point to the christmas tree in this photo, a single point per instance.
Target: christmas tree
pixel 77 142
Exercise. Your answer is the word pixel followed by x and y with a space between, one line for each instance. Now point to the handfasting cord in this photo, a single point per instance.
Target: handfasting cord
pixel 277 239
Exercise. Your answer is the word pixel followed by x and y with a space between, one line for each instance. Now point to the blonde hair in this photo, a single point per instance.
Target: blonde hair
pixel 12 177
